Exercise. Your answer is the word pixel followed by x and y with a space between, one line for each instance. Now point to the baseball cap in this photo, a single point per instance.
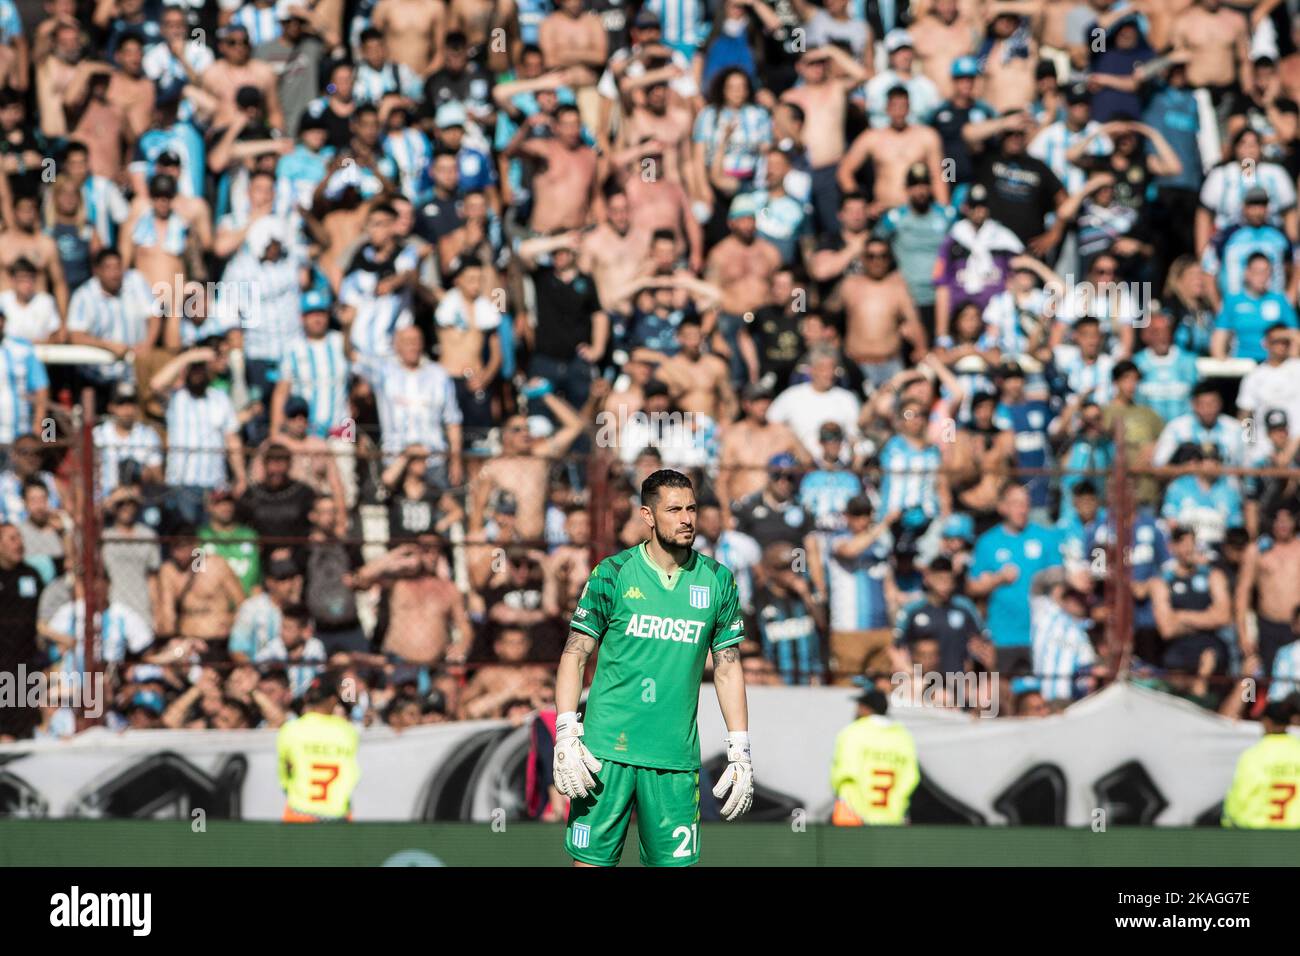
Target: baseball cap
pixel 316 300
pixel 1077 93
pixel 294 406
pixel 940 564
pixel 167 157
pixel 1275 418
pixel 653 388
pixel 783 461
pixel 959 526
pixel 450 115
pixel 897 40
pixel 755 392
pixel 150 700
pixel 918 173
pixel 830 432
pixel 123 392
pixel 978 196
pixel 1010 369
pixel 743 206
pixel 1255 194
pixel 875 699
pixel 965 66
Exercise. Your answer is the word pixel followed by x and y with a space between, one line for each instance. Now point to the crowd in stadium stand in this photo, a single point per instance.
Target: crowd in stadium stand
pixel 362 290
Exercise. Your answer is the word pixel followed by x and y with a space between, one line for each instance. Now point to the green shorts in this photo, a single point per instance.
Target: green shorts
pixel 667 804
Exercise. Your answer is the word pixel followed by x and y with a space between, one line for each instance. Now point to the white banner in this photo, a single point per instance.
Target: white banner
pixel 1140 755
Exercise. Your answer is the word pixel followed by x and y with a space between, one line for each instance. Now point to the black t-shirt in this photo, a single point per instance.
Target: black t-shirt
pixel 20 590
pixel 409 517
pixel 437 218
pixel 952 624
pixel 765 524
pixel 948 121
pixel 779 343
pixel 1022 191
pixel 564 311
pixel 278 514
pixel 473 88
pixel 1130 183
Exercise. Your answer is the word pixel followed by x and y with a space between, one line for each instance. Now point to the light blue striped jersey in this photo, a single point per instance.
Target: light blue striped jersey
pixel 196 437
pixel 317 371
pixel 856 586
pixel 415 405
pixel 910 480
pixel 22 375
pixel 1061 648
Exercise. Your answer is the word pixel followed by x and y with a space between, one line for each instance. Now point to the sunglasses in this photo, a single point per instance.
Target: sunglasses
pixel 785 475
pixel 875 255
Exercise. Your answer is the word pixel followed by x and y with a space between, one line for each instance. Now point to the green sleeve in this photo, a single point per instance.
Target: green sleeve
pixel 729 624
pixel 591 616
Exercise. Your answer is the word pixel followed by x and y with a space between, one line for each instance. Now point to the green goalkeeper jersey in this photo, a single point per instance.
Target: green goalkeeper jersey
pixel 654 632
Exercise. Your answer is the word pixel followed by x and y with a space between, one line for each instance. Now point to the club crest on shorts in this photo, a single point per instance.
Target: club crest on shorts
pixel 699 596
pixel 581 836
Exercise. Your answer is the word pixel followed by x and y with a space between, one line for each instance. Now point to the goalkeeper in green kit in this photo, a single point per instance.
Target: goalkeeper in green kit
pixel 656 610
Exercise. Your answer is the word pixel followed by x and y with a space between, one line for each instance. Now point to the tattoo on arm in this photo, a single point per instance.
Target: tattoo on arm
pixel 580 645
pixel 728 655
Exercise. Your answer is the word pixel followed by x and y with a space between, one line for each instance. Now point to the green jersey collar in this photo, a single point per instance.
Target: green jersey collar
pixel 668 582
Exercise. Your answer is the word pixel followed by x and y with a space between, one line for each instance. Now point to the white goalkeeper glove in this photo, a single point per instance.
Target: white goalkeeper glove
pixel 738 778
pixel 574 763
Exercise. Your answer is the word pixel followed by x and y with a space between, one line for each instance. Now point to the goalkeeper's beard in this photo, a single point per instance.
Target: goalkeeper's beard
pixel 670 545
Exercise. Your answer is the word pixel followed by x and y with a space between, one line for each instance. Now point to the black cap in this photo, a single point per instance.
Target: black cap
pixel 978 196
pixel 918 173
pixel 123 392
pixel 875 699
pixel 940 563
pixel 1256 194
pixel 1010 369
pixel 168 157
pixel 980 398
pixel 1077 93
pixel 755 392
pixel 309 122
pixel 1275 418
pixel 653 388
pixel 645 20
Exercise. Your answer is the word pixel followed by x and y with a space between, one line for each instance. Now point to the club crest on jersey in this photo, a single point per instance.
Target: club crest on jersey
pixel 633 593
pixel 699 596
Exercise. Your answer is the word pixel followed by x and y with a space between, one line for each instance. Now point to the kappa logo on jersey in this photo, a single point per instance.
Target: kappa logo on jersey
pixel 581 835
pixel 699 596
pixel 633 593
pixel 665 628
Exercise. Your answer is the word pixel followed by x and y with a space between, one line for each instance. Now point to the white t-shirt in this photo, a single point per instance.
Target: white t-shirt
pixel 1267 387
pixel 35 321
pixel 805 410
